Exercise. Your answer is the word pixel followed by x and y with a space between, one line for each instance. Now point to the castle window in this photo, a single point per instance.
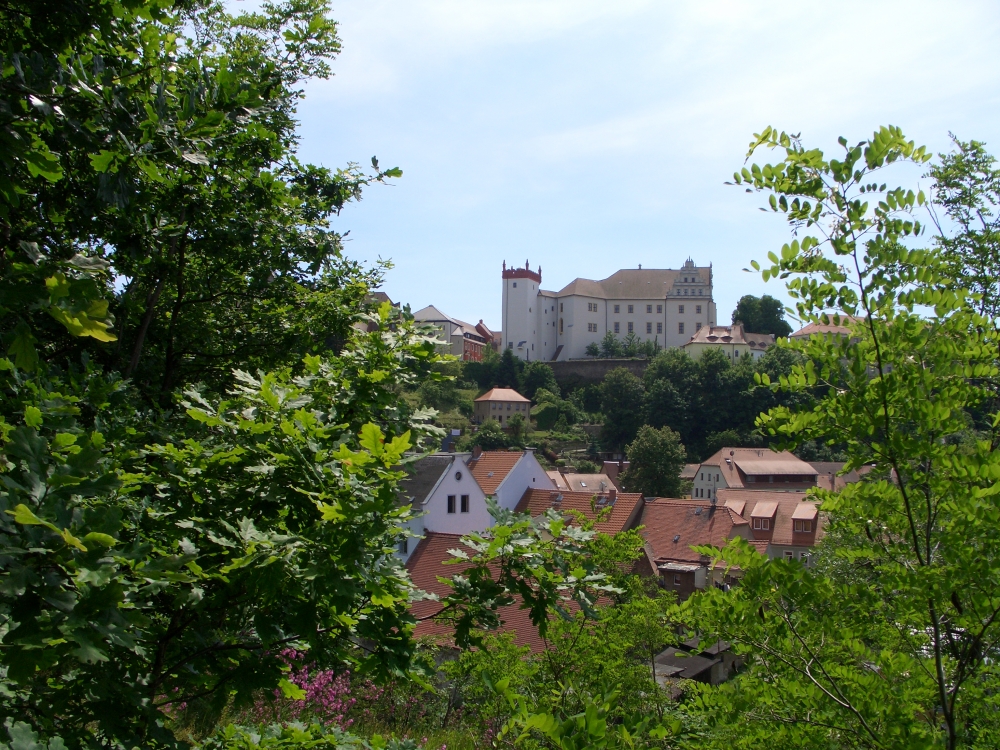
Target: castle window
pixel 680 328
pixel 515 285
pixel 560 323
pixel 697 326
pixel 699 292
pixel 659 309
pixel 560 307
pixel 618 308
pixel 618 327
pixel 649 309
pixel 680 309
pixel 631 309
pixel 697 309
pixel 630 327
pixel 649 327
pixel 659 327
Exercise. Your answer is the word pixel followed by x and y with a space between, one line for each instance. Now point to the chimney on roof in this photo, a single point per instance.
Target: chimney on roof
pixel 612 496
pixel 477 452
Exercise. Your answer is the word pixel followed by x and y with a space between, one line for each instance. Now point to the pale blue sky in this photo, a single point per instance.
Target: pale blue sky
pixel 592 136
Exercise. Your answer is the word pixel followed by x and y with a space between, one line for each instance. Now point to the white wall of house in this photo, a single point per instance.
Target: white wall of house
pixel 416 527
pixel 527 473
pixel 437 517
pixel 707 482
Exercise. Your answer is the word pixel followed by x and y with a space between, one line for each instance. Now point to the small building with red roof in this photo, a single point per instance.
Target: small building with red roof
pixel 500 404
pixel 672 528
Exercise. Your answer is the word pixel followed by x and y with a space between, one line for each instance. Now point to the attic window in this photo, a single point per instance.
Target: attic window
pixel 489 473
pixel 583 484
pixel 697 511
pixel 677 538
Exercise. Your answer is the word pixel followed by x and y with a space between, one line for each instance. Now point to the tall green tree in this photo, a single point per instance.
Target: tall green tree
pixel 509 370
pixel 158 235
pixel 622 399
pixel 761 315
pixel 537 375
pixel 891 641
pixel 656 458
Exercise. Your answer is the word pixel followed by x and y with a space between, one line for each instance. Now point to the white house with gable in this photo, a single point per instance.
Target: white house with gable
pixel 663 305
pixel 448 491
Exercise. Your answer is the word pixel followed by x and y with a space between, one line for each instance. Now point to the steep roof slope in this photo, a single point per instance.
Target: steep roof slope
pixel 426 564
pixel 492 467
pixel 503 394
pixel 422 476
pixel 624 506
pixel 781 507
pixel 634 283
pixel 672 527
pixel 757 462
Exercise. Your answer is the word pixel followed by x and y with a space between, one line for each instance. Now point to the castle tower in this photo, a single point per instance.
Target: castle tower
pixel 520 300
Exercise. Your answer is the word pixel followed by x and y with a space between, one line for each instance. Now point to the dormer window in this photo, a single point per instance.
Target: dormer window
pixel 762 524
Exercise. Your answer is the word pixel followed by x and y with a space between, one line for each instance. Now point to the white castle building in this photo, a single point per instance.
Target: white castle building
pixel 662 305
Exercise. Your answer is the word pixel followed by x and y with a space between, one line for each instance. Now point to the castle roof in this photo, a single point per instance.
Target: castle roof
pixel 637 283
pixel 733 334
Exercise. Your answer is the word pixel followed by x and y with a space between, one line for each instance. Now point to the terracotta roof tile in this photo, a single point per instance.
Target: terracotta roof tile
pixel 625 509
pixel 425 565
pixel 733 334
pixel 492 467
pixel 503 394
pixel 843 329
pixel 785 505
pixel 690 523
pixel 758 462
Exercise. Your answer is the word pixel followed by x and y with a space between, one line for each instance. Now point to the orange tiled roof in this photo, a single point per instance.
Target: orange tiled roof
pixel 690 523
pixel 818 326
pixel 623 511
pixel 783 505
pixel 492 467
pixel 758 462
pixel 425 565
pixel 503 394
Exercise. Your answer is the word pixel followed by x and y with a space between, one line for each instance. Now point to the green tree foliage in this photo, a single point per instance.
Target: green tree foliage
pixel 509 370
pixel 761 315
pixel 484 373
pixel 891 641
pixel 156 224
pixel 171 575
pixel 517 427
pixel 537 375
pixel 967 186
pixel 656 458
pixel 622 400
pixel 490 437
pixel 629 347
pixel 550 409
pixel 171 157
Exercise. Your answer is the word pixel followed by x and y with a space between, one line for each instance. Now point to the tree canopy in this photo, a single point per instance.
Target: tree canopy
pixel 761 315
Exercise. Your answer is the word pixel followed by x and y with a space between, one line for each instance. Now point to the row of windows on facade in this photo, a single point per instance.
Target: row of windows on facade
pixel 592 307
pixel 592 327
pixel 517 407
